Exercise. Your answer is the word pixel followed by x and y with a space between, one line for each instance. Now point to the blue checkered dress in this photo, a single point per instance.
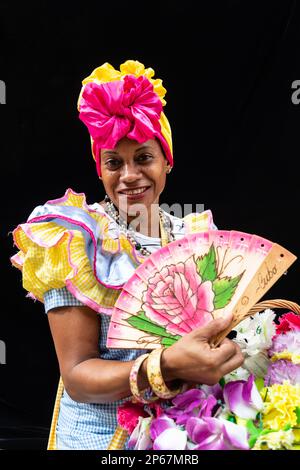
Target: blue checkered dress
pixel 87 425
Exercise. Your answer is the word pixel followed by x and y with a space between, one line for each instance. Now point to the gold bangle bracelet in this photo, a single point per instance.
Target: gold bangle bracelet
pixel 133 379
pixel 155 377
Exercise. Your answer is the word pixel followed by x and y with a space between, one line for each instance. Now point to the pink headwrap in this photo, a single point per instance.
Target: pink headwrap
pixel 127 107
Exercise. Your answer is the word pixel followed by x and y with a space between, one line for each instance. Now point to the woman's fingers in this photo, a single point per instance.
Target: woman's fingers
pixel 224 352
pixel 213 327
pixel 235 361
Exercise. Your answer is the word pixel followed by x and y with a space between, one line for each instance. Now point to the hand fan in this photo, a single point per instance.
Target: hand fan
pixel 187 283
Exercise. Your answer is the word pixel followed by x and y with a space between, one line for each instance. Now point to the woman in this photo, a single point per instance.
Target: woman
pixel 76 257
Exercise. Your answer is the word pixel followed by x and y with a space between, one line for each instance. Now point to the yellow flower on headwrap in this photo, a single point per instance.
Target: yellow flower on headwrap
pixel 107 73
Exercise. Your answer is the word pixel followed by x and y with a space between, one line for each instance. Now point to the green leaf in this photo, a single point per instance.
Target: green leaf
pixel 254 432
pixel 231 418
pixel 141 322
pixel 207 266
pixel 224 289
pixel 222 382
pixel 259 382
pixel 251 427
pixel 297 411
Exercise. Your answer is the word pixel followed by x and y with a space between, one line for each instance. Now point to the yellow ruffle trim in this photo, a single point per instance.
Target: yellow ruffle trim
pixel 52 257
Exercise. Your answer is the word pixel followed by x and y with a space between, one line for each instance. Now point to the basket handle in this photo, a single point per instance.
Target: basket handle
pixel 276 303
pixel 259 307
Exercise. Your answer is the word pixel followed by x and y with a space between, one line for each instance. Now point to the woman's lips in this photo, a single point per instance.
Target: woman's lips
pixel 134 194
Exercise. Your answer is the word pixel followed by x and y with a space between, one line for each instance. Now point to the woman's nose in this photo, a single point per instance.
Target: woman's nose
pixel 129 174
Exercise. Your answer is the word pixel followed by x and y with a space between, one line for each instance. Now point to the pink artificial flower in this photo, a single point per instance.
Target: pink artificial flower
pixel 177 298
pixel 216 434
pixel 128 415
pixel 242 398
pixel 290 341
pixel 288 322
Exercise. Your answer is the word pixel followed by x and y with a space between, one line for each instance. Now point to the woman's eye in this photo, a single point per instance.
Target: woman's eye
pixel 112 164
pixel 144 158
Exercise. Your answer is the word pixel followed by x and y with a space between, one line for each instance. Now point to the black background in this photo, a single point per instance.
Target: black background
pixel 228 67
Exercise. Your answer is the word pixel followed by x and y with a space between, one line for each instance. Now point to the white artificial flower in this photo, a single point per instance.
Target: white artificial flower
pixel 238 374
pixel 254 334
pixel 257 364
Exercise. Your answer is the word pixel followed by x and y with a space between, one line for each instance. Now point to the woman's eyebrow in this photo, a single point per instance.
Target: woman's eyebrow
pixel 110 152
pixel 143 147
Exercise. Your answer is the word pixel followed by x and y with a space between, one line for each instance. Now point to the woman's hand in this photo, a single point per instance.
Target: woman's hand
pixel 192 359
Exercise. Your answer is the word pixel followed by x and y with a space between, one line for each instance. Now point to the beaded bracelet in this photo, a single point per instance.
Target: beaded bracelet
pixel 155 377
pixel 133 379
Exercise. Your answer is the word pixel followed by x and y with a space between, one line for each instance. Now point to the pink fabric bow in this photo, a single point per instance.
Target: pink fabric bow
pixel 121 108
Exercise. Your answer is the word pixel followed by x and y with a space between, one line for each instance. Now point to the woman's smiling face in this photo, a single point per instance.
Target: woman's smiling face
pixel 134 173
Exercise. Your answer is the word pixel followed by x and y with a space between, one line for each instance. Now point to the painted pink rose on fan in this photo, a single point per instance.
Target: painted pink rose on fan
pixel 178 299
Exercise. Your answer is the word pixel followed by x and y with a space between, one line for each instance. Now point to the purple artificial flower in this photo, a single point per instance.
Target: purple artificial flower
pixel 242 398
pixel 191 403
pixel 281 370
pixel 159 425
pixel 289 341
pixel 216 434
pixel 215 390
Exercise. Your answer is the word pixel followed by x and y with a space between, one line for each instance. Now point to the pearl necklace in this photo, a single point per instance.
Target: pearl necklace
pixel 165 224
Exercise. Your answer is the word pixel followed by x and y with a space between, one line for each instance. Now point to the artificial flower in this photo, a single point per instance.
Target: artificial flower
pixel 280 404
pixel 282 370
pixel 288 322
pixel 140 437
pixel 287 355
pixel 257 406
pixel 128 415
pixel 243 398
pixel 238 374
pixel 289 342
pixel 216 434
pixel 171 439
pixel 275 440
pixel 166 435
pixel 254 334
pixel 191 403
pixel 257 364
pixel 159 425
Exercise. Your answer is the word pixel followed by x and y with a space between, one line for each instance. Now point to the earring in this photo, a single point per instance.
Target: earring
pixel 169 170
